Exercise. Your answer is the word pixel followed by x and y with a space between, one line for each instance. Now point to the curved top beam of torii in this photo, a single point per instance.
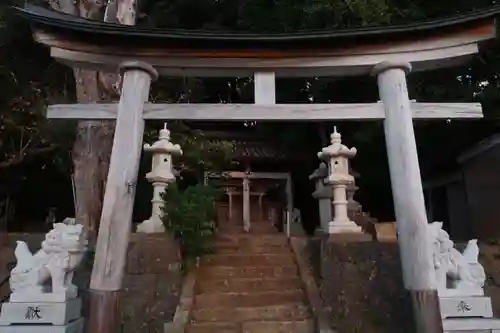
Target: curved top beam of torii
pixel 427 45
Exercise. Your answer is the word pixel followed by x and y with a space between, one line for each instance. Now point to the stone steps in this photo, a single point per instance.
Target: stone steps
pixel 276 245
pixel 246 239
pixel 252 231
pixel 249 272
pixel 250 285
pixel 300 326
pixel 249 260
pixel 256 249
pixel 221 327
pixel 282 312
pixel 264 227
pixel 249 298
pixel 247 284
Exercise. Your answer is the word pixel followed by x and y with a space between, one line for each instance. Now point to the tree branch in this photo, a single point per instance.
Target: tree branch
pixel 65 6
pixel 92 9
pixel 19 158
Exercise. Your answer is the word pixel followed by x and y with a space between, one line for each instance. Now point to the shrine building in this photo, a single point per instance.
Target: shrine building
pixel 388 54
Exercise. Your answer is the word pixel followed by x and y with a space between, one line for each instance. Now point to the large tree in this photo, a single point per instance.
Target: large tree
pixel 94 139
pixel 91 150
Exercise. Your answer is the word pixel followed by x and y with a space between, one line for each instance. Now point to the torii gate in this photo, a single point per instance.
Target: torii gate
pixel 384 52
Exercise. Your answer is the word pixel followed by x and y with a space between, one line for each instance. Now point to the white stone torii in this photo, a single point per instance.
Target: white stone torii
pixel 403 162
pixel 416 257
pixel 267 112
pixel 116 217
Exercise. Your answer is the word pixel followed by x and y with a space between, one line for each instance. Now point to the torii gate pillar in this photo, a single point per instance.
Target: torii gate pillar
pixel 409 205
pixel 116 218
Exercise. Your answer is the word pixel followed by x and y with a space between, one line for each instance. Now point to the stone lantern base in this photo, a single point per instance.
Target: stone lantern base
pixel 151 226
pixel 343 227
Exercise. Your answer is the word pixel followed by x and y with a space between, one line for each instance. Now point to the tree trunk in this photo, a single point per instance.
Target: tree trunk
pixel 94 139
pixel 92 148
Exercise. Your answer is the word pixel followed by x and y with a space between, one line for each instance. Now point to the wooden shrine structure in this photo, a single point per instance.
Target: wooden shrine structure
pixel 251 193
pixel 388 53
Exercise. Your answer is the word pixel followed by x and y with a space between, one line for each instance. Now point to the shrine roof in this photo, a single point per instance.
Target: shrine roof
pixel 253 149
pixel 84 43
pixel 101 31
pixel 256 150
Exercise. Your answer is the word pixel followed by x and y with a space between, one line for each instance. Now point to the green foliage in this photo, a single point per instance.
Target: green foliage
pixel 190 216
pixel 277 15
pixel 30 80
pixel 200 153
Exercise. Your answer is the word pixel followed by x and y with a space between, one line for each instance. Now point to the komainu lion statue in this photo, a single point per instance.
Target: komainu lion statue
pixel 457 274
pixel 60 254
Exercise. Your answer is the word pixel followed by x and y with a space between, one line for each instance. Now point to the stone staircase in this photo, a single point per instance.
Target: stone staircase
pixel 250 285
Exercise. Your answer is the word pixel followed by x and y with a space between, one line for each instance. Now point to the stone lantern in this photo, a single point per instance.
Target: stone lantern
pixel 337 157
pixel 162 173
pixel 324 196
pixel 353 207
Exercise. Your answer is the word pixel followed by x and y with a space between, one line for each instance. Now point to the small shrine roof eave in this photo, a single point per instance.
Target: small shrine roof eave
pixel 427 45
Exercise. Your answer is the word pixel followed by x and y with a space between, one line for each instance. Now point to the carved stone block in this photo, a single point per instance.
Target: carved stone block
pixel 40 313
pixel 466 307
pixel 60 297
pixel 74 327
pixel 466 325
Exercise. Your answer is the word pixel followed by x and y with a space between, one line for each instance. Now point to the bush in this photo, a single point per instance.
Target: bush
pixel 190 216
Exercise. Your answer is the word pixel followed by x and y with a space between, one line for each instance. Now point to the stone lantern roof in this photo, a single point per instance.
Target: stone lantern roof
pixel 336 148
pixel 163 145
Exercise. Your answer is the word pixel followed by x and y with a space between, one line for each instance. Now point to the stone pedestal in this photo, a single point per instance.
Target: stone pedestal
pixel 349 237
pixel 42 317
pixel 74 327
pixel 153 225
pixel 37 296
pixel 344 227
pixel 468 314
pixel 341 222
pixel 465 307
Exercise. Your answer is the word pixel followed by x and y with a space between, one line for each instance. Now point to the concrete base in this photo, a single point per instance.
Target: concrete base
pixel 349 237
pixel 40 313
pixel 463 314
pixel 342 227
pixel 74 327
pixel 40 297
pixel 470 292
pixel 460 307
pixel 471 325
pixel 151 226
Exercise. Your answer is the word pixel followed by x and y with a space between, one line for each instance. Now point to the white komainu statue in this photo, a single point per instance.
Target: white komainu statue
pixel 61 253
pixel 457 274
